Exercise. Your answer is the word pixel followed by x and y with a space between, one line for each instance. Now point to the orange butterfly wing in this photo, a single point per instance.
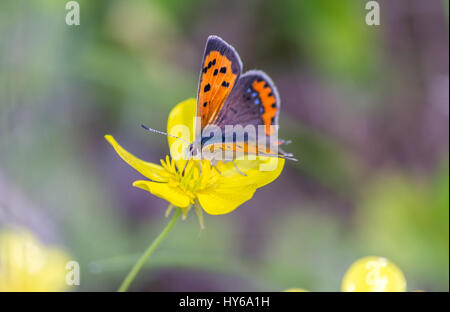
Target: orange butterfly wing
pixel 221 69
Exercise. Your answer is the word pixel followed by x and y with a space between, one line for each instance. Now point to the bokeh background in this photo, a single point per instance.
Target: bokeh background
pixel 367 109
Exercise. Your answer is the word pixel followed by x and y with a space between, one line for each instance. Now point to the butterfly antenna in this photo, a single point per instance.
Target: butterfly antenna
pixel 163 133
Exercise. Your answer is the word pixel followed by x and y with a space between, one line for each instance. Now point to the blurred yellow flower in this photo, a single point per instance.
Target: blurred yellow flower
pixel 217 193
pixel 27 265
pixel 296 290
pixel 373 274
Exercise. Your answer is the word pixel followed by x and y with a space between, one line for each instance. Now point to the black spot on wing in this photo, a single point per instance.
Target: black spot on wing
pixel 223 70
pixel 215 72
pixel 215 43
pixel 225 84
pixel 207 88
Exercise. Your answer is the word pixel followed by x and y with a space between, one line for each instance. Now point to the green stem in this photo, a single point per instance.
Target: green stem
pixel 137 267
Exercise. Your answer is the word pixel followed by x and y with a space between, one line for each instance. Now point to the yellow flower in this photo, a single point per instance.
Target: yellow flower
pixel 217 193
pixel 27 265
pixel 374 274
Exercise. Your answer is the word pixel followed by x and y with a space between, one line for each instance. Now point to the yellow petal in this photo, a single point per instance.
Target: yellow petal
pixel 183 114
pixel 261 177
pixel 233 188
pixel 148 169
pixel 225 197
pixel 173 195
pixel 181 124
pixel 254 169
pixel 373 274
pixel 259 173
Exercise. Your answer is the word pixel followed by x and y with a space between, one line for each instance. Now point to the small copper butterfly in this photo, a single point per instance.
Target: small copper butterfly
pixel 227 98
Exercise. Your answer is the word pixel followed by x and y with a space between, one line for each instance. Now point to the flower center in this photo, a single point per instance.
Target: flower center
pixel 190 180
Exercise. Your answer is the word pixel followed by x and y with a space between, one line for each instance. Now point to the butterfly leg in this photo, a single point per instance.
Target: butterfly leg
pixel 282 152
pixel 214 165
pixel 285 142
pixel 185 165
pixel 200 165
pixel 238 170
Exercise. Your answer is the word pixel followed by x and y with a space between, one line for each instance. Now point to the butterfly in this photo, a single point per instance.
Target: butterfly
pixel 225 97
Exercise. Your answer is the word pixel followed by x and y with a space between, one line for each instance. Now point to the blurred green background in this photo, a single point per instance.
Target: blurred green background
pixel 367 109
